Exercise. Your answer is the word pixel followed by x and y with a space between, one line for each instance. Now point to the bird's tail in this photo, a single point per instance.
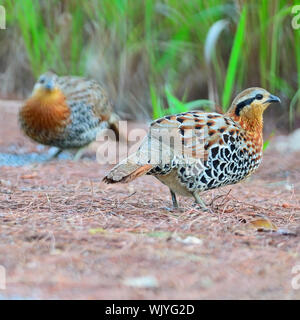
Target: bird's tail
pixel 127 170
pixel 114 125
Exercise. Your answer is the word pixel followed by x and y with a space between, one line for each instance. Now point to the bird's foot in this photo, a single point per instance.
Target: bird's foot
pixel 201 207
pixel 55 155
pixel 173 209
pixel 199 203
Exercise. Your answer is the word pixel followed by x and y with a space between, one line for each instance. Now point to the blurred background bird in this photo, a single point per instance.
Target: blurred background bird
pixel 212 149
pixel 67 112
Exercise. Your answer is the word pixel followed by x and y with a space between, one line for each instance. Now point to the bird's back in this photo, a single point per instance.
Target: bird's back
pixel 212 150
pixel 87 92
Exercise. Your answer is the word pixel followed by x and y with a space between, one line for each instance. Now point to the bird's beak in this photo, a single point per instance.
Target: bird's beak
pixel 49 86
pixel 272 99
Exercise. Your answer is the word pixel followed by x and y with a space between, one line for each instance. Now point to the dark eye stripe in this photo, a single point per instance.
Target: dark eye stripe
pixel 243 104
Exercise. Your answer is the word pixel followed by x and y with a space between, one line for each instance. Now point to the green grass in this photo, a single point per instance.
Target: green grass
pixel 235 58
pixel 175 105
pixel 158 54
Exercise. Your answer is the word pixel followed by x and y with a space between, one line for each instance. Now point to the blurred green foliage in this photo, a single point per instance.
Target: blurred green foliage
pixel 246 43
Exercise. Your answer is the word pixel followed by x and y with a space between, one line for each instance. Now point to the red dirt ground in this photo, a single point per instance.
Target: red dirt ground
pixel 64 234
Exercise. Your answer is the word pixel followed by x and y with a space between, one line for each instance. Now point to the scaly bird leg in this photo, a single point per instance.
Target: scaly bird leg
pixel 79 154
pixel 198 200
pixel 174 200
pixel 56 154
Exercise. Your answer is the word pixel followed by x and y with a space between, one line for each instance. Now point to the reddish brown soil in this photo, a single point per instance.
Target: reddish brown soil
pixel 65 234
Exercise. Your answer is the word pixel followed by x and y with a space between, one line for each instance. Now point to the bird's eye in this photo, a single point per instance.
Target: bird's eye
pixel 42 81
pixel 258 96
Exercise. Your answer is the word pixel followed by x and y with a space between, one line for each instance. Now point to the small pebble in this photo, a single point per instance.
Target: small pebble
pixel 141 282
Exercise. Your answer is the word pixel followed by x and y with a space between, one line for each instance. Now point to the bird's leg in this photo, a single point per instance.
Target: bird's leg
pixel 78 154
pixel 174 200
pixel 56 154
pixel 175 203
pixel 199 201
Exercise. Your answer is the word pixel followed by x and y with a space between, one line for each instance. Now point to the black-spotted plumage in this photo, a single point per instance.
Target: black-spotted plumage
pixel 227 159
pixel 196 151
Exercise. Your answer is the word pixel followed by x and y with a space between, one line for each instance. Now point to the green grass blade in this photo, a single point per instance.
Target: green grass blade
pixel 236 51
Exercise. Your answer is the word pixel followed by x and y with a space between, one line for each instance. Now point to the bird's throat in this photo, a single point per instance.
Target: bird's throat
pixel 45 110
pixel 253 126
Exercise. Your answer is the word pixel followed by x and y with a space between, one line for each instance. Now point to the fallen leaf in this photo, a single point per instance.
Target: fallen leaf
pixel 286 205
pixel 247 227
pixel 159 234
pixel 262 224
pixel 97 230
pixel 29 176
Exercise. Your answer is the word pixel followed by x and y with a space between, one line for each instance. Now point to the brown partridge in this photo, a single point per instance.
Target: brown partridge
pixel 66 112
pixel 196 151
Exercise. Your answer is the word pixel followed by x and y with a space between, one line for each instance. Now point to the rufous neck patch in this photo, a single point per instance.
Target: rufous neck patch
pixel 252 123
pixel 45 110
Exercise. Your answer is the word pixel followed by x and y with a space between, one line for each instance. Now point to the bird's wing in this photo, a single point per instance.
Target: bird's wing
pixel 89 92
pixel 191 135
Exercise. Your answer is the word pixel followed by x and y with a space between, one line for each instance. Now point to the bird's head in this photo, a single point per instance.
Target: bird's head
pixel 248 107
pixel 46 82
pixel 46 89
